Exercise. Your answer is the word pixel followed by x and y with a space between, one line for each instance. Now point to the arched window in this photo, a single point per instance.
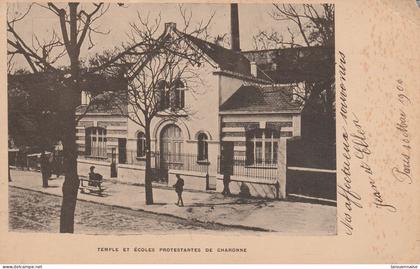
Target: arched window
pixel 141 144
pixel 262 146
pixel 178 95
pixel 202 147
pixel 95 142
pixel 170 96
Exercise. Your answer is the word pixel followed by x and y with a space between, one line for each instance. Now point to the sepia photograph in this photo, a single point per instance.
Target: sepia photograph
pixel 171 118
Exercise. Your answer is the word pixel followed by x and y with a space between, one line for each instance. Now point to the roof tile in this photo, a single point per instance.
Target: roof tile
pixel 268 98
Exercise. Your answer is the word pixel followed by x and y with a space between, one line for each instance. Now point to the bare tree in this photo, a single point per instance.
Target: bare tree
pixel 157 80
pixel 308 25
pixel 77 26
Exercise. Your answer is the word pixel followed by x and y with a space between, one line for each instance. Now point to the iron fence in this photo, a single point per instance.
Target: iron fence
pixel 97 153
pixel 239 166
pixel 134 159
pixel 183 161
pixel 32 161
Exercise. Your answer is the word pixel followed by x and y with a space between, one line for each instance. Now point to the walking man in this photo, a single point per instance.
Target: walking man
pixel 226 181
pixel 179 187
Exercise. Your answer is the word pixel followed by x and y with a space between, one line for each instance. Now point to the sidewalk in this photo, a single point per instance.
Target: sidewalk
pixel 280 216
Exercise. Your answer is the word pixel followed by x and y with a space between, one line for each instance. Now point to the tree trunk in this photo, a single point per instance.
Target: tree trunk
pixel 148 175
pixel 330 111
pixel 70 100
pixel 71 179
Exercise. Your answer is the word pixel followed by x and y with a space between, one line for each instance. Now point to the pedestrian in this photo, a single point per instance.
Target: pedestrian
pixel 58 158
pixel 45 169
pixel 179 187
pixel 94 178
pixel 226 181
pixel 55 164
pixel 51 164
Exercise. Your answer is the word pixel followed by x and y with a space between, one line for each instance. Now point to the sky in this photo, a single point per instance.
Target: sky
pixel 252 19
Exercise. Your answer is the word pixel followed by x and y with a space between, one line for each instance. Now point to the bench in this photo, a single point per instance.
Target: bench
pixel 91 186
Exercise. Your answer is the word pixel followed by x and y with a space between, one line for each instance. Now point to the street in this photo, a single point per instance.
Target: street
pixel 32 211
pixel 208 208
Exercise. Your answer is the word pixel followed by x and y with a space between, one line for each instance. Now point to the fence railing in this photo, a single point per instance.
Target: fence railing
pixel 32 161
pixel 259 171
pixel 97 153
pixel 134 159
pixel 183 161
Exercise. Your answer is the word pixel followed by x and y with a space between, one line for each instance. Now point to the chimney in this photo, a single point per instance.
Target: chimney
pixel 170 26
pixel 254 69
pixel 234 27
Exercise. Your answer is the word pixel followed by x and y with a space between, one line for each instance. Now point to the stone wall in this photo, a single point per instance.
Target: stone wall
pixel 192 180
pixel 133 174
pixel 243 187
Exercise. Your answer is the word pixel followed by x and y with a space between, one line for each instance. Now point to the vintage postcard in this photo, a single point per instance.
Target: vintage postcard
pixel 210 132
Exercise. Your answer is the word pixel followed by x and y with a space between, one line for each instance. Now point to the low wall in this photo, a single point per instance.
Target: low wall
pixel 101 167
pixel 314 184
pixel 245 186
pixel 128 173
pixel 192 180
pixel 268 187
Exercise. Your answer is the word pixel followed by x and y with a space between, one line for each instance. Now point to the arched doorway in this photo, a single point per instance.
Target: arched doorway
pixel 171 141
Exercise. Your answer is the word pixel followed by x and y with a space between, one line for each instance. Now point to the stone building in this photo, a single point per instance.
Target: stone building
pixel 246 108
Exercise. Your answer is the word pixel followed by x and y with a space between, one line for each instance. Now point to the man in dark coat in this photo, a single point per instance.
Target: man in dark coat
pixel 179 188
pixel 45 169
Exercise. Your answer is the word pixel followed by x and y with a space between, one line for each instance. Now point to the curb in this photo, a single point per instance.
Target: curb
pixel 236 226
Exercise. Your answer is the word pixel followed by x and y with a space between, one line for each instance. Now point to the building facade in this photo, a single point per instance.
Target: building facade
pixel 236 123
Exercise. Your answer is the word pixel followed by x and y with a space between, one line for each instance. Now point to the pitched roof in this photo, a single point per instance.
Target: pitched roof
pixel 227 59
pixel 293 64
pixel 286 65
pixel 113 103
pixel 268 98
pixel 111 110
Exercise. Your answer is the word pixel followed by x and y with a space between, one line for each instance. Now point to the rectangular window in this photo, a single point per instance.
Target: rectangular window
pixel 95 142
pixel 262 147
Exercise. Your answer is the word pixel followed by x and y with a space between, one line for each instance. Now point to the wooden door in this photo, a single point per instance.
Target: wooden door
pixel 171 144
